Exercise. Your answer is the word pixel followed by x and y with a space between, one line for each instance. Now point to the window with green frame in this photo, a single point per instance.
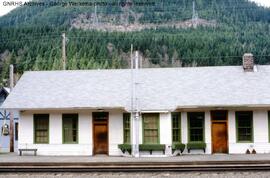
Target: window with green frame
pixel 126 127
pixel 196 126
pixel 41 128
pixel 70 128
pixel 176 127
pixel 150 128
pixel 244 126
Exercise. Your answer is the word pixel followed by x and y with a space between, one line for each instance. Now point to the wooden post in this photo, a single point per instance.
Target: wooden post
pixel 11 119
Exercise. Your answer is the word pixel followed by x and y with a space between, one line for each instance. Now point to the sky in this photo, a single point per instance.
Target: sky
pixel 263 2
pixel 4 9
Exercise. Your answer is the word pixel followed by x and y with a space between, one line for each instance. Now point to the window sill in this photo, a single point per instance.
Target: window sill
pixel 41 143
pixel 244 142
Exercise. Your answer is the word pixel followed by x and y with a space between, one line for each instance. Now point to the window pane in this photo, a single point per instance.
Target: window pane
pixel 219 115
pixel 176 127
pixel 196 127
pixel 244 125
pixel 41 124
pixel 126 125
pixel 151 128
pixel 70 128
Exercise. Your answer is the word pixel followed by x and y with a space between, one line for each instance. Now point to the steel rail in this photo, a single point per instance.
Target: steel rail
pixel 135 166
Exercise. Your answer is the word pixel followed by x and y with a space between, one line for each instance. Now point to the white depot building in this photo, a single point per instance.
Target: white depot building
pixel 200 110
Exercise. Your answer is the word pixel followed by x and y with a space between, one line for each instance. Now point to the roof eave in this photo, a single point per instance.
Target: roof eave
pixel 67 108
pixel 222 107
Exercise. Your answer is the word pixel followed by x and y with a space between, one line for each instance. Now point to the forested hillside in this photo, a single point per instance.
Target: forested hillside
pixel 30 36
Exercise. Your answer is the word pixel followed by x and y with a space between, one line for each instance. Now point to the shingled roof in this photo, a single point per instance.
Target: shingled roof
pixel 158 88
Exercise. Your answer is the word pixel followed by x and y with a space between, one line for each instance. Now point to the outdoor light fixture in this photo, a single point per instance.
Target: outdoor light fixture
pixel 100 110
pixel 5 129
pixel 219 108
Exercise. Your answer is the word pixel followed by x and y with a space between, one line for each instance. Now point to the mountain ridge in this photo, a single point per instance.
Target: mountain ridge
pixel 160 12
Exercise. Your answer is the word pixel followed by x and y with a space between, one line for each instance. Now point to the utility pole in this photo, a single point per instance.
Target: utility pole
pixel 141 61
pixel 135 105
pixel 11 119
pixel 64 51
pixel 194 15
pixel 126 15
pixel 131 56
pixel 95 16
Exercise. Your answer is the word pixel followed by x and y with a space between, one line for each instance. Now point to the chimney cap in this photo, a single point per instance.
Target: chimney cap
pixel 248 55
pixel 248 62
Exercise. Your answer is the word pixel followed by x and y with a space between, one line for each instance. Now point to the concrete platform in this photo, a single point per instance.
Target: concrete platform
pixel 14 158
pixel 13 163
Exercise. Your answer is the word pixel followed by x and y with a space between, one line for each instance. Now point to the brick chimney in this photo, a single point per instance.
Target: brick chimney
pixel 248 62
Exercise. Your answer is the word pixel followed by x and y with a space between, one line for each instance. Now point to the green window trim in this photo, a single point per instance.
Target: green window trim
pixel 189 117
pixel 126 128
pixel 41 128
pixel 157 128
pixel 176 127
pixel 70 129
pixel 250 113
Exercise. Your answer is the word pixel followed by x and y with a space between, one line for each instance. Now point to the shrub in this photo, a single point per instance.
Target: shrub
pixel 198 145
pixel 125 147
pixel 151 147
pixel 178 146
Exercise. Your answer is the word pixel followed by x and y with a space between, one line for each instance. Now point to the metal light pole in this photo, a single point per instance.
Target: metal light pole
pixel 135 111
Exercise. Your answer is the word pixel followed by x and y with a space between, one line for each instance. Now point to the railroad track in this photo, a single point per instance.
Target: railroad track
pixel 136 166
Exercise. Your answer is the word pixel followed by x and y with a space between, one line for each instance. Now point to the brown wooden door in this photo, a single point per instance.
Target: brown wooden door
pixel 219 137
pixel 100 133
pixel 100 139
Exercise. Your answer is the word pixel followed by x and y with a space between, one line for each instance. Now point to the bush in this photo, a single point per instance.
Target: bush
pixel 151 147
pixel 125 147
pixel 178 146
pixel 198 145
